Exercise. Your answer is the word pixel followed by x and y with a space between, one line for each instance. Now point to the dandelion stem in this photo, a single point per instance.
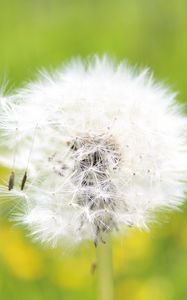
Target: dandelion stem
pixel 104 271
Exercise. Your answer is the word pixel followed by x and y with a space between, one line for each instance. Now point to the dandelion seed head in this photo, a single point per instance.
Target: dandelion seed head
pixel 108 150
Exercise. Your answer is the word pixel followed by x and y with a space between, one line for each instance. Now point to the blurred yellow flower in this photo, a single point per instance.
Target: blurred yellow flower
pixel 134 246
pixel 21 258
pixel 155 289
pixel 73 272
pixel 127 289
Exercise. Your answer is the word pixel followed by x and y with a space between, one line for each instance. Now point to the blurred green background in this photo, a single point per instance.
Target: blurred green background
pixel 43 33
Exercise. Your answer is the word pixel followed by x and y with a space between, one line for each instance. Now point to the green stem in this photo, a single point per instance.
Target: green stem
pixel 105 284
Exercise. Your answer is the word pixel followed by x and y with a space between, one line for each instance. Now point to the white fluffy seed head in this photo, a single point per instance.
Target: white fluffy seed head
pixel 103 146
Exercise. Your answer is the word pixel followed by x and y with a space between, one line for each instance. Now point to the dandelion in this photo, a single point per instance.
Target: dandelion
pixel 94 148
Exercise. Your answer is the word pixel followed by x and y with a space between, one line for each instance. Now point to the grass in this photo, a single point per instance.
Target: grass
pixel 39 34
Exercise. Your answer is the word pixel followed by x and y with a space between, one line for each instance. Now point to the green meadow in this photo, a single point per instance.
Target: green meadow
pixel 42 34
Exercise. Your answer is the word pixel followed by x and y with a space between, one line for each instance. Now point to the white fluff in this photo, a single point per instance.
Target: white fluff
pixel 105 147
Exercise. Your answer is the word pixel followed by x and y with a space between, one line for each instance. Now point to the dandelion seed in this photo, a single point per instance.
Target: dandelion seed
pixel 11 181
pixel 109 152
pixel 93 268
pixel 23 181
